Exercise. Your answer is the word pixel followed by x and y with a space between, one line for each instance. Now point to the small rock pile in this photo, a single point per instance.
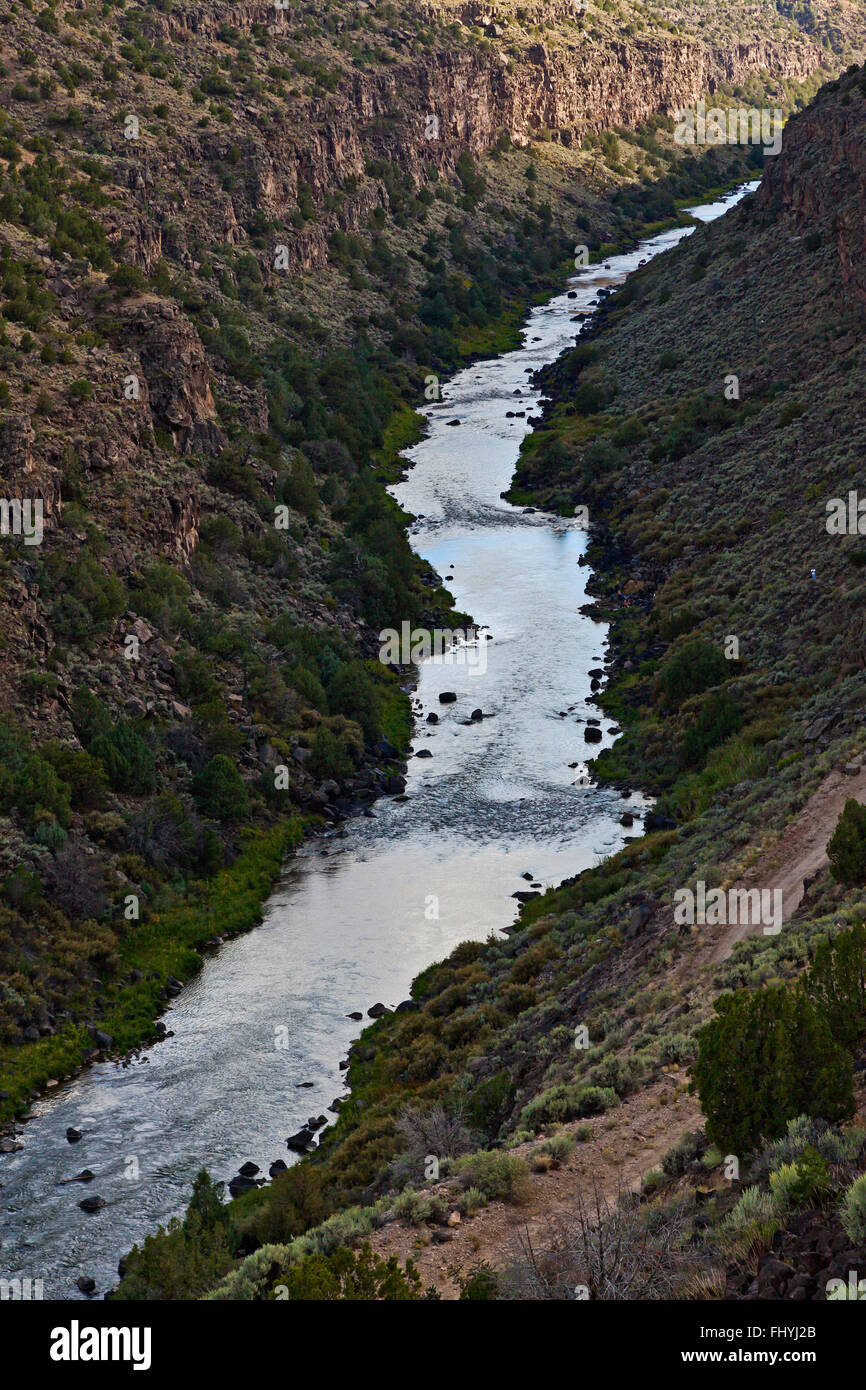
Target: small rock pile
pixel 811 1250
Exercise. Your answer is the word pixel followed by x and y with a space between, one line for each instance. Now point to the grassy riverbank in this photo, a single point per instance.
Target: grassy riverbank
pixel 167 946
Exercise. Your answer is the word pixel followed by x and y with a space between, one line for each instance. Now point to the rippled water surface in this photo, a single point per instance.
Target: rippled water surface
pixel 361 911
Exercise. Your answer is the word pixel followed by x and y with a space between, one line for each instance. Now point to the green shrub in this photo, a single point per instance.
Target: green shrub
pixel 472 1200
pixel 790 412
pixel 567 1102
pixel 718 718
pixel 755 1214
pixel 833 1145
pixel 689 670
pixel 764 1059
pixel 853 1211
pixel 296 488
pixel 330 756
pixel 480 1285
pixel 295 1202
pixel 29 784
pixel 836 982
pixel 219 790
pixel 416 1208
pixel 652 1182
pixel 676 1047
pixel 126 757
pixel 801 1184
pixel 86 599
pixel 347 1275
pixel 502 1177
pixel 552 1153
pixel 50 834
pixel 846 849
pixel 680 1157
pixel 184 1259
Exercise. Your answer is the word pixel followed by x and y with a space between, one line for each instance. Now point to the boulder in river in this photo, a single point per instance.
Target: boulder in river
pixel 277 1167
pixel 447 697
pixel 84 1176
pixel 73 1135
pixel 355 1016
pixel 476 715
pixel 302 1142
pixel 85 1284
pixel 407 1006
pixel 377 1011
pixel 248 1170
pixel 92 1203
pixel 592 734
pixel 432 718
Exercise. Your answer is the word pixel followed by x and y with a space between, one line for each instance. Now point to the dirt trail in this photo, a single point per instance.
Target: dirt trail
pixel 627 1143
pixel 622 1147
pixel 800 852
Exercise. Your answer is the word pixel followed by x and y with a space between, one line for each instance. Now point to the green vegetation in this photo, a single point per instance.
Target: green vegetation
pixel 847 847
pixel 766 1058
pixel 162 945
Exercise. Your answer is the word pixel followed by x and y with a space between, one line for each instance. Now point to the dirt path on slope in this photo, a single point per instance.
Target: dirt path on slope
pixel 801 852
pixel 622 1147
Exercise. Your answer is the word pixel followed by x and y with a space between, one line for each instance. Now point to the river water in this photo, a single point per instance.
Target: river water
pixel 361 910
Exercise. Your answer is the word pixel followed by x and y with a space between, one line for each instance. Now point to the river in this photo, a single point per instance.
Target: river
pixel 362 909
